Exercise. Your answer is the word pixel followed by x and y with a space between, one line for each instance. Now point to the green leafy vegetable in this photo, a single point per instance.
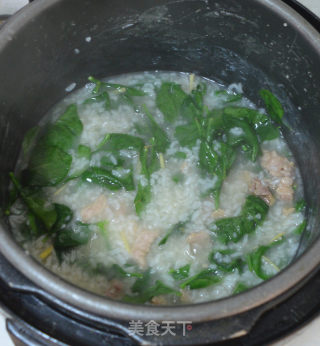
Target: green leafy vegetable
pixel 177 228
pixel 125 93
pixel 84 151
pixel 170 98
pixel 102 177
pixel 149 164
pixel 180 155
pixel 224 262
pixel 216 164
pixel 253 213
pixel 205 278
pixel 261 123
pixel 114 142
pixel 153 130
pixel 103 97
pixel 300 205
pixel 70 119
pixel 38 207
pixel 299 229
pixel 178 177
pixel 240 287
pixel 254 259
pixel 142 283
pixel 180 273
pixel 64 216
pixel 50 163
pixel 147 294
pixel 110 271
pixel 48 166
pixel 29 139
pixel 188 134
pixel 249 138
pixel 69 238
pixel 192 106
pixel 143 197
pixel 273 105
pixel 229 97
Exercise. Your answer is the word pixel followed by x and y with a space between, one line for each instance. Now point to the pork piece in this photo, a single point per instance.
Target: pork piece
pixel 284 190
pixel 115 289
pixel 218 214
pixel 95 211
pixel 198 240
pixel 141 246
pixel 288 211
pixel 159 300
pixel 185 296
pixel 257 188
pixel 278 166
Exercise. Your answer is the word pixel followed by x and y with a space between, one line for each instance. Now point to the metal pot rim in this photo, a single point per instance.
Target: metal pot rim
pixel 273 289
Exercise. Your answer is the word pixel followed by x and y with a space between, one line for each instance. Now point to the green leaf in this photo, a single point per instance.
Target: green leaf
pixel 70 119
pixel 240 287
pixel 125 93
pixel 84 151
pixel 34 228
pixel 38 207
pixel 180 155
pixel 125 89
pixel 142 283
pixel 29 139
pixel 56 136
pixel 103 177
pixel 180 273
pixel 119 87
pixel 117 271
pixel 178 177
pixel 64 216
pixel 299 229
pixel 267 132
pixel 69 238
pixel 153 130
pixel 112 161
pixel 254 259
pixel 216 164
pixel 229 97
pixel 114 142
pixel 205 278
pixel 248 137
pixel 233 229
pixel 262 124
pixel 187 135
pixel 109 271
pixel 48 166
pixel 102 226
pixel 149 161
pixel 226 263
pixel 169 100
pixel 198 95
pixel 300 205
pixel 50 163
pixel 177 228
pixel 157 289
pixel 273 105
pixel 143 197
pixel 149 164
pixel 103 97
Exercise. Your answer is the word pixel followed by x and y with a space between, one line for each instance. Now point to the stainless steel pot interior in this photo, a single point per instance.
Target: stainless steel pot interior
pixel 259 43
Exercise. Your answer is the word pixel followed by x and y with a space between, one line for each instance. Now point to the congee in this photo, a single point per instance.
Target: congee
pixel 159 188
